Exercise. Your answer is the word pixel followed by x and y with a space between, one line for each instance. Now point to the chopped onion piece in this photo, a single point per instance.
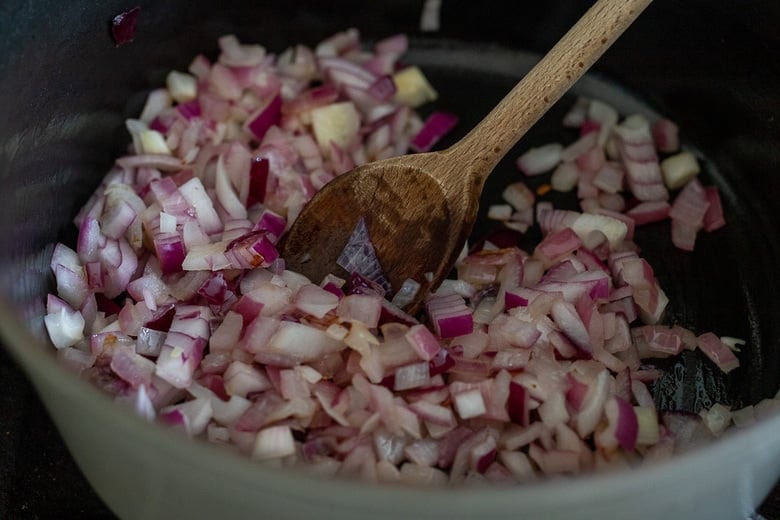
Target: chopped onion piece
pixel 540 160
pixel 519 196
pixel 565 177
pixel 647 422
pixel 123 26
pixel 470 404
pixel 412 376
pixel 717 351
pixel 264 117
pixel 153 142
pixel 316 301
pixel 450 316
pixel 423 342
pixel 274 442
pixel 435 127
pixel 193 415
pixel 412 87
pixel 182 87
pixel 717 418
pixel 337 123
pixel 500 212
pixel 666 136
pixel 679 169
pixel 65 327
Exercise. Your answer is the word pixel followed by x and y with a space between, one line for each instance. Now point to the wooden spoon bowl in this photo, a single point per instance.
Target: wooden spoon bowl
pixel 417 215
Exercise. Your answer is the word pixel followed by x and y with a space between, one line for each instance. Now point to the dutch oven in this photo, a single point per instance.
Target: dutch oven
pixel 65 90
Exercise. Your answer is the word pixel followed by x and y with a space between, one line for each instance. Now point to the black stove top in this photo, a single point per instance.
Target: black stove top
pixel 40 480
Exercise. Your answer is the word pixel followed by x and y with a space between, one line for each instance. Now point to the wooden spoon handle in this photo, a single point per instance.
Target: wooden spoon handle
pixel 487 143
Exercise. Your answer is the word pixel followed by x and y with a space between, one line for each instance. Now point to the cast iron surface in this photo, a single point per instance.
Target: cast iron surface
pixel 63 96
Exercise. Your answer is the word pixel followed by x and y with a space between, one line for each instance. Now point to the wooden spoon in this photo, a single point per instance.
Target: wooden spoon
pixel 420 209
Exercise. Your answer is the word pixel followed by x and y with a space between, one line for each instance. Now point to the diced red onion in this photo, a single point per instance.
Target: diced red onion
pixel 582 145
pixel 592 407
pixel 274 442
pixel 557 245
pixel 423 342
pixel 565 177
pixel 609 178
pixel 123 26
pixel 411 376
pixel 623 424
pixel 648 212
pixel 713 218
pixel 666 135
pixel 65 326
pixel 435 127
pixel 605 116
pixel 316 301
pixel 540 160
pixel 149 342
pixel 519 352
pixel 717 352
pixel 638 156
pixel 132 367
pixel 365 308
pixel 261 120
pixel 469 404
pixel 576 115
pixel 450 316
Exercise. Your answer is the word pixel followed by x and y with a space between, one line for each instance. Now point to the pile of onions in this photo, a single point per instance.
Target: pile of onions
pixel 617 169
pixel 175 301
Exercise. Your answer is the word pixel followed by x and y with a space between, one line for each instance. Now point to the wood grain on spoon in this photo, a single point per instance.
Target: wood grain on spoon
pixel 420 209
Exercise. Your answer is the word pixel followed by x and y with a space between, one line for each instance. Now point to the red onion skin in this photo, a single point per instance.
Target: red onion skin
pixel 512 300
pixel 173 418
pixel 171 255
pixel 434 129
pixel 382 89
pixel 484 462
pixel 517 404
pixel 589 126
pixel 123 26
pixel 163 321
pixel 265 118
pixel 627 428
pixel 258 181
